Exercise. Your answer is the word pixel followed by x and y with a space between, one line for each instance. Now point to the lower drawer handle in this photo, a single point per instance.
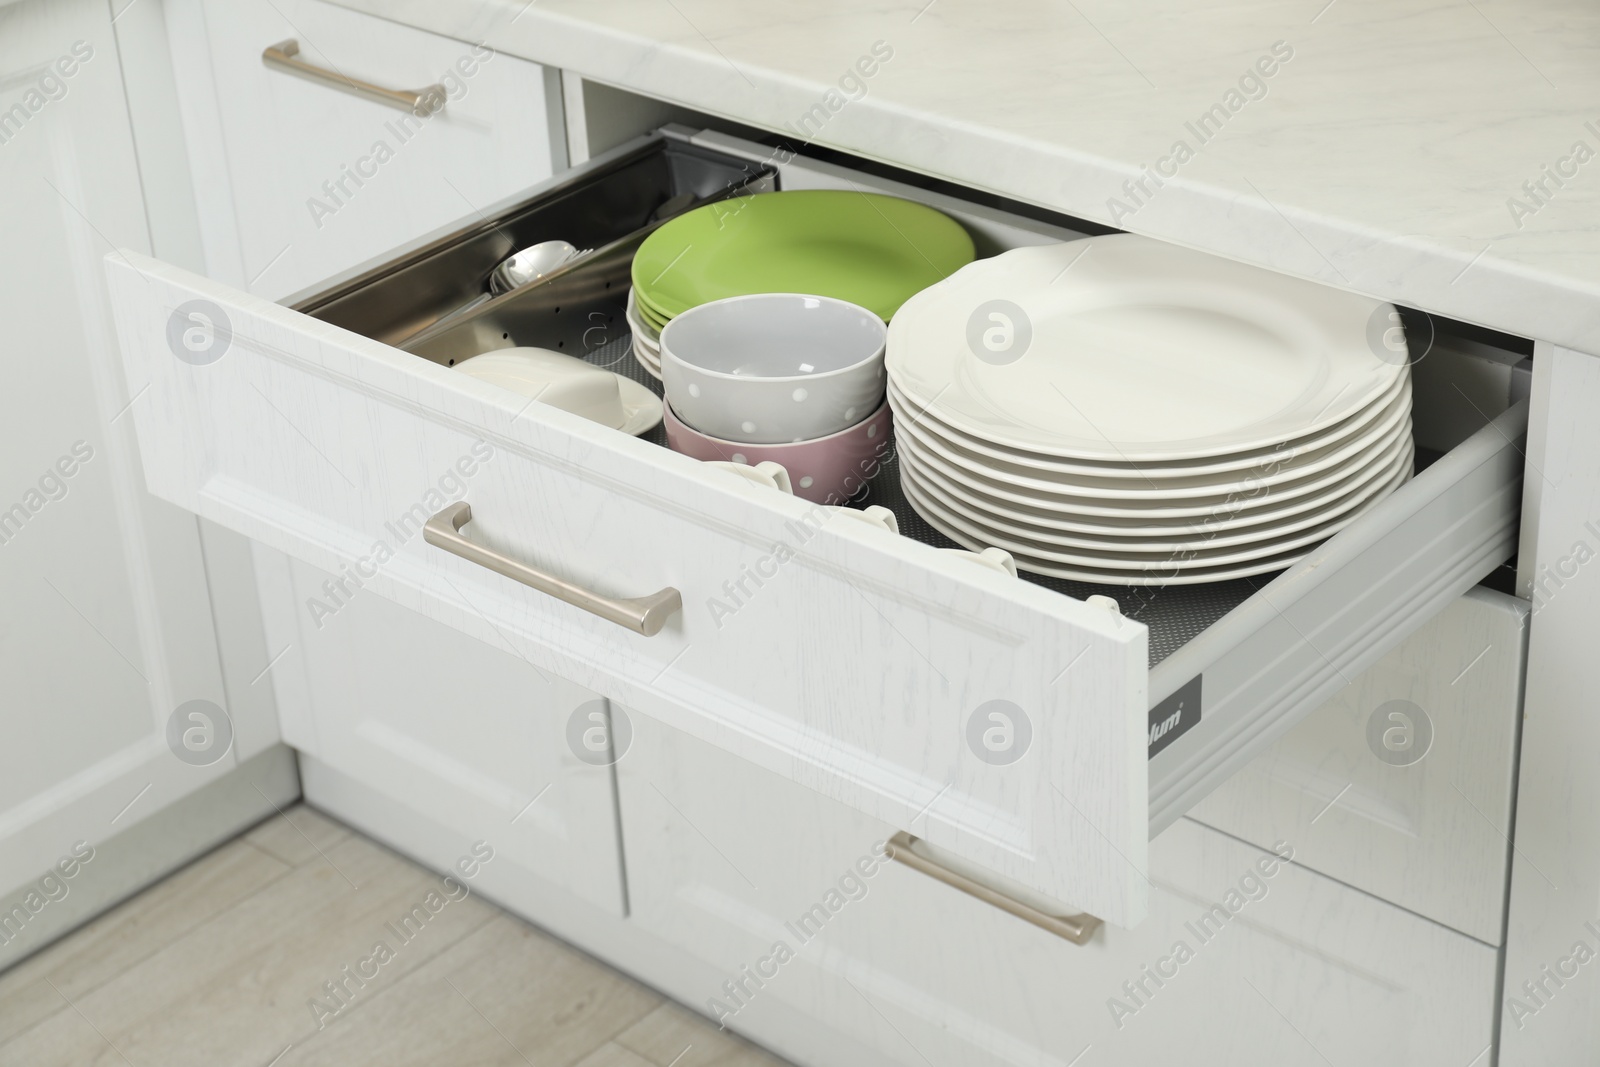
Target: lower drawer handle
pixel 644 614
pixel 285 56
pixel 1075 928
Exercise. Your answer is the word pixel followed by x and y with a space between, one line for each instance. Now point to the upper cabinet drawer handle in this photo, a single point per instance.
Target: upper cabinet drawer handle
pixel 1075 928
pixel 645 614
pixel 285 56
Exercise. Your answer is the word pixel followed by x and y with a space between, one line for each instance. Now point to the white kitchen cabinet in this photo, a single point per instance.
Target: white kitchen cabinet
pixel 1404 783
pixel 729 862
pixel 475 738
pixel 1551 1011
pixel 857 668
pixel 107 631
pixel 321 179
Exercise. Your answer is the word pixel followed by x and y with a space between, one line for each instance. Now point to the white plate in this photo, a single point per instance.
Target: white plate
pixel 1346 434
pixel 652 347
pixel 1277 469
pixel 651 365
pixel 1263 514
pixel 644 343
pixel 1161 574
pixel 1200 534
pixel 1199 553
pixel 1087 501
pixel 1314 494
pixel 1136 350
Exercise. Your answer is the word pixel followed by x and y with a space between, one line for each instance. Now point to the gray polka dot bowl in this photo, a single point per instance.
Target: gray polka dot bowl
pixel 774 368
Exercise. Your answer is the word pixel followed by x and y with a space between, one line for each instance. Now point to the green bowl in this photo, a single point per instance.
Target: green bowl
pixel 873 250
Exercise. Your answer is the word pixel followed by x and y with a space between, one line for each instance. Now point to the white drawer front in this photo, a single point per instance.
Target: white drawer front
pixel 1286 967
pixel 1426 824
pixel 322 179
pixel 470 735
pixel 855 665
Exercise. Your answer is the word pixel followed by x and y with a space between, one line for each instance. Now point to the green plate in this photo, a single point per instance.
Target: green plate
pixel 876 251
pixel 652 317
pixel 653 313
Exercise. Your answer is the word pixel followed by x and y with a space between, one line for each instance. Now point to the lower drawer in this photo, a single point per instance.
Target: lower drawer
pixel 1403 784
pixel 475 738
pixel 1233 965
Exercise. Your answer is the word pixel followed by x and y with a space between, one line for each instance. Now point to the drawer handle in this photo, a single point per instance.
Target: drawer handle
pixel 645 614
pixel 1075 928
pixel 285 56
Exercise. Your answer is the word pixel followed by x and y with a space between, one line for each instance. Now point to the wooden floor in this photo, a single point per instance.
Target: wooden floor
pixel 220 963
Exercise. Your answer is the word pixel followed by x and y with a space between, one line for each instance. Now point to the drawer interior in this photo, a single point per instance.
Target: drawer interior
pixel 399 300
pixel 407 302
pixel 1268 649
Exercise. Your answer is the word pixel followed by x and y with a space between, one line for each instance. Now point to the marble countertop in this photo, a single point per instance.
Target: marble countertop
pixel 1444 155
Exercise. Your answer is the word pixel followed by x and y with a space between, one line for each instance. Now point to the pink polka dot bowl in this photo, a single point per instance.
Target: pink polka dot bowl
pixel 827 470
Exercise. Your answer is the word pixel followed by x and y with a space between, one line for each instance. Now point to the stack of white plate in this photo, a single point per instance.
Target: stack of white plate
pixel 646 341
pixel 1122 411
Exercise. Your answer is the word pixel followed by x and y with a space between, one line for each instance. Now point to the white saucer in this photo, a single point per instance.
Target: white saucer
pixel 641 408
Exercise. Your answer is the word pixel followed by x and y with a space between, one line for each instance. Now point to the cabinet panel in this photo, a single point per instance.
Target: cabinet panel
pixel 1282 967
pixel 476 738
pixel 107 628
pixel 323 180
pixel 1403 784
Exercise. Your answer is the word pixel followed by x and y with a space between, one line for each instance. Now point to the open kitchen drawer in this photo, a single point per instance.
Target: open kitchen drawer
pixel 848 659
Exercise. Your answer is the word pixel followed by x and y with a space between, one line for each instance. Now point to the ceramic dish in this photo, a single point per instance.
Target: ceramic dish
pixel 767 474
pixel 570 384
pixel 1167 572
pixel 831 470
pixel 1201 542
pixel 994 559
pixel 649 362
pixel 774 367
pixel 636 321
pixel 1199 554
pixel 645 343
pixel 1123 348
pixel 1257 481
pixel 866 248
pixel 1084 501
pixel 876 516
pixel 1254 515
pixel 1345 438
pixel 651 319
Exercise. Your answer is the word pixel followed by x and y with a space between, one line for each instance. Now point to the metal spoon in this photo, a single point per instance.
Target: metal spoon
pixel 530 264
